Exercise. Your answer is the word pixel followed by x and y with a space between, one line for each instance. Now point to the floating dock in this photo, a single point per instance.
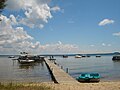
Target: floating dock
pixel 58 75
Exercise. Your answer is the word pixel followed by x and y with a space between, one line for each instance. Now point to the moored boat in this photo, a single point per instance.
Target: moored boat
pixel 88 55
pixel 65 56
pixel 78 56
pixel 26 57
pixel 52 58
pixel 88 77
pixel 98 56
pixel 116 58
pixel 11 57
pixel 84 56
pixel 25 61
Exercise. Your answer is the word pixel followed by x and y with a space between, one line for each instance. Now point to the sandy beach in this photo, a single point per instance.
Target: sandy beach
pixel 83 86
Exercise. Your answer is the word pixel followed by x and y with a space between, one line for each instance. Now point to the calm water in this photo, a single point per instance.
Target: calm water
pixel 108 69
pixel 11 70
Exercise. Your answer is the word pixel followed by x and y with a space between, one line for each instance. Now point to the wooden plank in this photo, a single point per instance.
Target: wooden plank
pixel 59 75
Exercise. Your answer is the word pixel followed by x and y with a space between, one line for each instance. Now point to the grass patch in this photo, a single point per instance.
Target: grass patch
pixel 12 86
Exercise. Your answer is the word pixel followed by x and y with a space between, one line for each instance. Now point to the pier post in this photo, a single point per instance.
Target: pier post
pixel 61 67
pixel 67 70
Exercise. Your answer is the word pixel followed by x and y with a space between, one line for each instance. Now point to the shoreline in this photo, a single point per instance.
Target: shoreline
pixel 112 85
pixel 84 86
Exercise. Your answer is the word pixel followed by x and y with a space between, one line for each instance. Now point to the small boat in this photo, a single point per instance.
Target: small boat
pixel 88 77
pixel 88 56
pixel 25 61
pixel 116 58
pixel 51 59
pixel 84 56
pixel 78 56
pixel 11 57
pixel 98 56
pixel 65 56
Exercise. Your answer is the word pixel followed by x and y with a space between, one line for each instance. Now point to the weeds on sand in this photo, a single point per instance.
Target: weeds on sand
pixel 12 86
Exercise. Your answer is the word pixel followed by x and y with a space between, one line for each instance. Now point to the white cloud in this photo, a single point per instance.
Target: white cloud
pixel 37 12
pixel 8 32
pixel 59 48
pixel 15 4
pixel 36 15
pixel 105 22
pixel 11 39
pixel 56 8
pixel 13 19
pixel 116 34
pixel 15 40
pixel 28 12
pixel 104 44
pixel 92 45
pixel 59 42
pixel 20 33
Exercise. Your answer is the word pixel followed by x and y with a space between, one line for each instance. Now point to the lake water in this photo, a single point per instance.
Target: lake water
pixel 108 69
pixel 11 70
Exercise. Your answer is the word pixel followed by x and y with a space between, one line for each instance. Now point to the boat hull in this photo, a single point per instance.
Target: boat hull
pixel 11 57
pixel 78 56
pixel 88 77
pixel 116 58
pixel 89 80
pixel 26 61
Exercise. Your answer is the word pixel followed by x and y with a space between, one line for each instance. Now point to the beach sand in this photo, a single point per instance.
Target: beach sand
pixel 83 86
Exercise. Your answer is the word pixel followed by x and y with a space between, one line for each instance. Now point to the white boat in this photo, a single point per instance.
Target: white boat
pixel 11 57
pixel 98 56
pixel 25 61
pixel 78 56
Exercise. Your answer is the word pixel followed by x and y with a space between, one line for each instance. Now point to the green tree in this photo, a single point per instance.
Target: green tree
pixel 2 5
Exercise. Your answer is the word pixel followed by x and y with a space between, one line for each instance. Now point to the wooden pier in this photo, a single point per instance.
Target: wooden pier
pixel 58 75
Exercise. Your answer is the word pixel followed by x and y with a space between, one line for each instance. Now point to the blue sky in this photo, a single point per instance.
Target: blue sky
pixel 62 26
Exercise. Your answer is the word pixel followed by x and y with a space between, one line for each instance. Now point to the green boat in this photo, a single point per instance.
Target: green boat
pixel 88 77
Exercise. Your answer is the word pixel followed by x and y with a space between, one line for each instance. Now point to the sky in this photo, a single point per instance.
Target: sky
pixel 60 26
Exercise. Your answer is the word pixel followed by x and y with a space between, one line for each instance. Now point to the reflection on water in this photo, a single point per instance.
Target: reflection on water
pixel 11 70
pixel 116 62
pixel 108 69
pixel 31 65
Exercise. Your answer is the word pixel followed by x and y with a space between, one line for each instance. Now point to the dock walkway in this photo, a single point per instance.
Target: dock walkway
pixel 58 74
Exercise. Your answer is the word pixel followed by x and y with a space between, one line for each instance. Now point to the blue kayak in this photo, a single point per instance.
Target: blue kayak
pixel 88 77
